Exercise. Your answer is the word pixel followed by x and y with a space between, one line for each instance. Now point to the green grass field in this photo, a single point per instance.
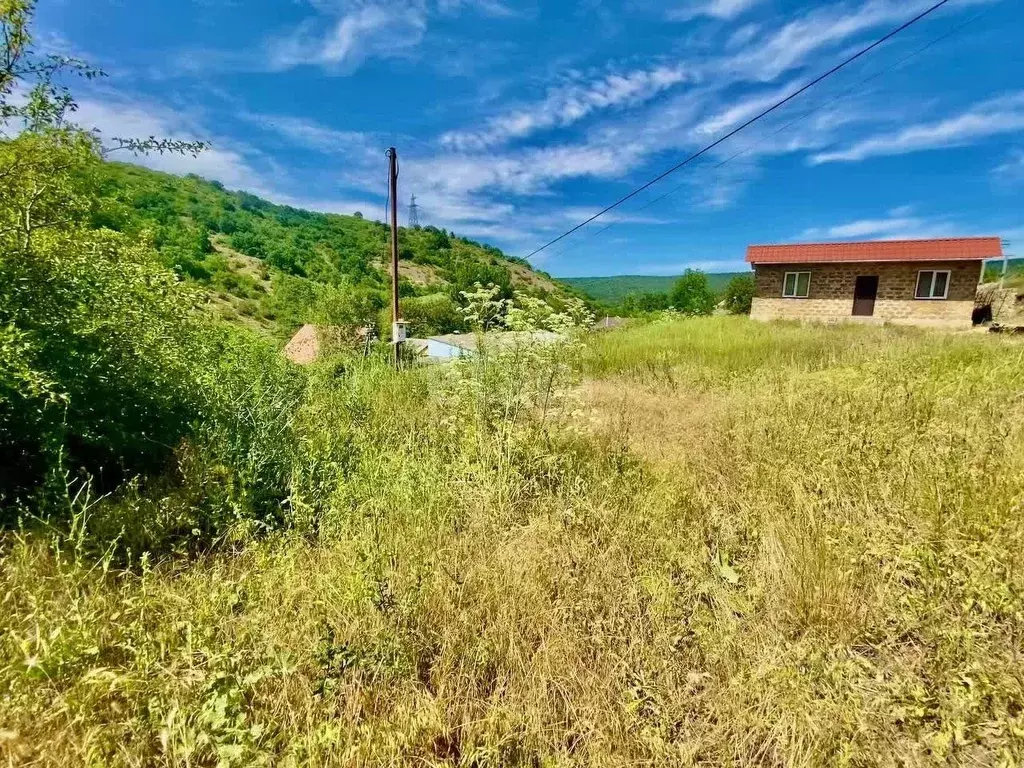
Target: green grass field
pixel 703 542
pixel 612 290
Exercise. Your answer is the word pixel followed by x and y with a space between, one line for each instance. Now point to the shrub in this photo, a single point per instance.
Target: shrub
pixel 431 314
pixel 692 295
pixel 116 338
pixel 739 294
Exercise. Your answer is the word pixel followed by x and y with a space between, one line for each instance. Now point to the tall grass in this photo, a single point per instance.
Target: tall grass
pixel 773 545
pixel 709 349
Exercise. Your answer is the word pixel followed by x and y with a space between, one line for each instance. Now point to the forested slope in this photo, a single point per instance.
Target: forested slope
pixel 614 290
pixel 273 267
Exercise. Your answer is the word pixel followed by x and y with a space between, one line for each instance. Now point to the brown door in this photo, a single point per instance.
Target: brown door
pixel 865 290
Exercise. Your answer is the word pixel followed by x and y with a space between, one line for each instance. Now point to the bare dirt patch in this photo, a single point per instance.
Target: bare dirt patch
pixel 523 276
pixel 418 274
pixel 240 262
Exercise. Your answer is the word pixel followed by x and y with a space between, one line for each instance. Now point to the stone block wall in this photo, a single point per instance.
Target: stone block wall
pixel 831 293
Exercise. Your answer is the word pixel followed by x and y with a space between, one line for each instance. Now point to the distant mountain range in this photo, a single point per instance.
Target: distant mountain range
pixel 612 290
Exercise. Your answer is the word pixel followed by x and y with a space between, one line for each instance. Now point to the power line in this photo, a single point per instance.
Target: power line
pixel 790 124
pixel 749 122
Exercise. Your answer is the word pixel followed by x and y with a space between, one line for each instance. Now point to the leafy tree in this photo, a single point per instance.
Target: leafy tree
pixel 649 301
pixel 105 363
pixel 431 314
pixel 344 304
pixel 466 276
pixel 692 295
pixel 249 242
pixel 739 294
pixel 184 247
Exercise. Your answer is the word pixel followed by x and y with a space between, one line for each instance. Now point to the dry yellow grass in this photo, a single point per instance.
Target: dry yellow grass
pixel 735 545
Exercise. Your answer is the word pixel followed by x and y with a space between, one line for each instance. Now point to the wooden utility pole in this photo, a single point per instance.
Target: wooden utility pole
pixel 397 327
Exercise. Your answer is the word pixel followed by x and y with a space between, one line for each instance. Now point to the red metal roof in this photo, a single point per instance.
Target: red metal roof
pixel 946 249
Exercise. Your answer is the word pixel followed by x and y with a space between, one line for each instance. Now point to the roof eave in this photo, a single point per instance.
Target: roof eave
pixel 936 260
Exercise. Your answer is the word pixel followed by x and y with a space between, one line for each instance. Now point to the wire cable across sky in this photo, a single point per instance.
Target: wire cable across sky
pixel 748 123
pixel 753 145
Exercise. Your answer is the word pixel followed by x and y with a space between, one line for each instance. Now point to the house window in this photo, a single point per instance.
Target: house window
pixel 932 284
pixel 796 285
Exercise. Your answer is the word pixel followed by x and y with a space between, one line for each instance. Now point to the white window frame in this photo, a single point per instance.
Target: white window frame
pixel 931 286
pixel 796 282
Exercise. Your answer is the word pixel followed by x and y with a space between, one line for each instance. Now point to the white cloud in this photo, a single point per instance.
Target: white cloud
pixel 369 31
pixel 116 116
pixel 740 111
pixel 486 7
pixel 347 33
pixel 718 9
pixel 1011 170
pixel 565 105
pixel 445 209
pixel 742 36
pixel 789 46
pixel 898 224
pixel 685 121
pixel 990 118
pixel 524 173
pixel 314 135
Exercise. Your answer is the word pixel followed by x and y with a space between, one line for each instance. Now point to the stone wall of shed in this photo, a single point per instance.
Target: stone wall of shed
pixel 831 293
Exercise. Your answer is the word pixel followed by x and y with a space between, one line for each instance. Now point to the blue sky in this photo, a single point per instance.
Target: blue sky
pixel 515 119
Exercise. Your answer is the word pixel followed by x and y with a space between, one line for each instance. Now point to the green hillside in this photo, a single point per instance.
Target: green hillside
pixel 994 269
pixel 612 290
pixel 273 267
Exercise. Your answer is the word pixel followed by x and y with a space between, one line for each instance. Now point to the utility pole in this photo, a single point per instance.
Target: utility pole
pixel 397 326
pixel 414 214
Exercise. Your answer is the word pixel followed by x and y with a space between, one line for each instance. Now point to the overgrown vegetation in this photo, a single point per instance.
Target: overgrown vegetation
pixel 692 294
pixel 1014 271
pixel 759 548
pixel 273 267
pixel 696 541
pixel 739 294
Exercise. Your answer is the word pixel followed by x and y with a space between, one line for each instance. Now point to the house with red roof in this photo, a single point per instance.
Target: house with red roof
pixel 916 282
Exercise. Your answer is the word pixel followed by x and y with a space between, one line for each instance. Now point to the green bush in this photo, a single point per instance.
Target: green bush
pixel 112 379
pixel 432 314
pixel 692 295
pixel 115 336
pixel 739 294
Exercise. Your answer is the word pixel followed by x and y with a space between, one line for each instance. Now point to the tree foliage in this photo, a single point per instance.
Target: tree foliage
pixel 692 295
pixel 648 301
pixel 112 372
pixel 185 214
pixel 739 294
pixel 109 371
